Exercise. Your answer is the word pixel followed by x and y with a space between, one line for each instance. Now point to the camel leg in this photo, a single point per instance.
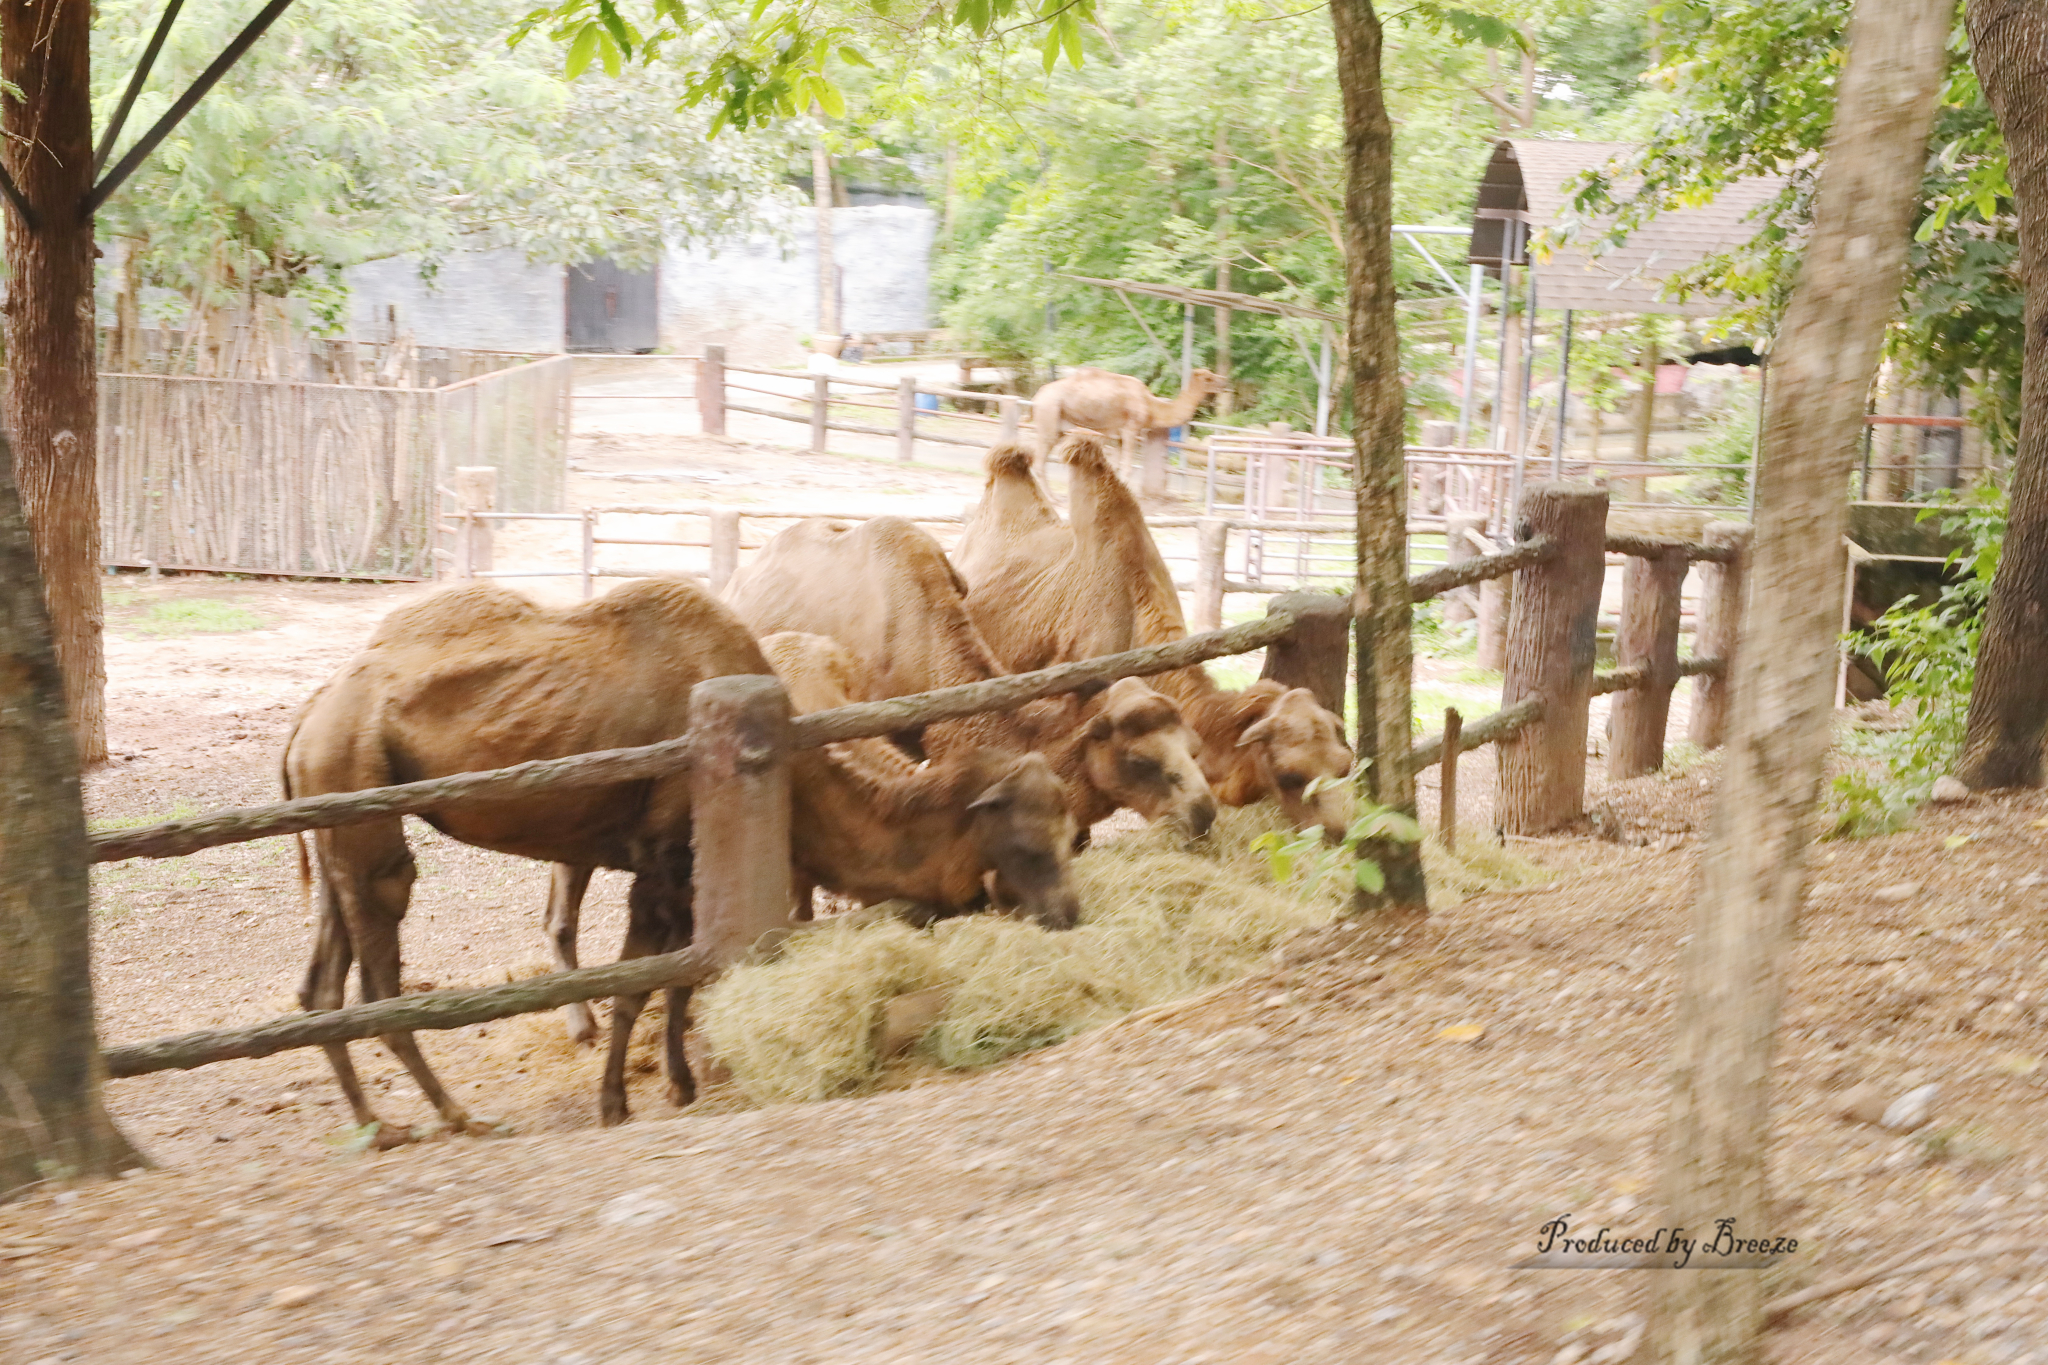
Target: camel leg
pixel 324 988
pixel 682 1086
pixel 565 908
pixel 654 924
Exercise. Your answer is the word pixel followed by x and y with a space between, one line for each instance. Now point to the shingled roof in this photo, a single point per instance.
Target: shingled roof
pixel 1528 176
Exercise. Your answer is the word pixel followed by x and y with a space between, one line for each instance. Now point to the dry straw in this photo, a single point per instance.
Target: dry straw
pixel 1159 923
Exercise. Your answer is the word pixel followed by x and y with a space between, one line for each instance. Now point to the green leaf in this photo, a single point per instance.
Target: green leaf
pixel 1070 27
pixel 852 57
pixel 1367 874
pixel 583 49
pixel 828 97
pixel 608 51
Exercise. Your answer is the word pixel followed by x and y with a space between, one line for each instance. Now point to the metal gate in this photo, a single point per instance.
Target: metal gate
pixel 609 309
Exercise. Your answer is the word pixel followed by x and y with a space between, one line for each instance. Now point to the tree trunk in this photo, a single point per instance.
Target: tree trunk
pixel 1378 449
pixel 1226 185
pixel 51 1123
pixel 2009 702
pixel 828 268
pixel 51 407
pixel 1752 870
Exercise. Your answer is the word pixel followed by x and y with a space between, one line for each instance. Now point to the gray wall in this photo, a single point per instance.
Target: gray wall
pixel 481 300
pixel 757 294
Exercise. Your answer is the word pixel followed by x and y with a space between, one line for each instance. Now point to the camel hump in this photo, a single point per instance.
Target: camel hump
pixel 910 549
pixel 1009 461
pixel 453 614
pixel 674 607
pixel 1082 450
pixel 818 671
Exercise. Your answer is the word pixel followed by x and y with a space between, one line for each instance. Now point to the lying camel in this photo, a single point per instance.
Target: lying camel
pixel 1117 405
pixel 480 677
pixel 1046 593
pixel 884 590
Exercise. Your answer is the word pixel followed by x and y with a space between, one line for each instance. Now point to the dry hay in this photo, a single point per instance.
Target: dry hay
pixel 1158 923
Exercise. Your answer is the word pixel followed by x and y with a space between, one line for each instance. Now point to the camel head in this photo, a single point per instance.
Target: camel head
pixel 1024 833
pixel 1302 759
pixel 1205 381
pixel 1142 753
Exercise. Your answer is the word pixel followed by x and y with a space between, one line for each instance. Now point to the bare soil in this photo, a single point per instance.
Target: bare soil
pixel 1298 1167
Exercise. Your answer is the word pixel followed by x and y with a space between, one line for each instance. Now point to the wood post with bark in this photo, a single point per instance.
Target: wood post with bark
pixel 828 339
pixel 1447 793
pixel 476 490
pixel 1315 656
pixel 711 391
pixel 52 1123
pixel 1722 586
pixel 906 418
pixel 51 407
pixel 2008 721
pixel 1379 452
pixel 1652 586
pixel 1550 654
pixel 739 813
pixel 1752 870
pixel 725 547
pixel 821 410
pixel 1459 528
pixel 1496 606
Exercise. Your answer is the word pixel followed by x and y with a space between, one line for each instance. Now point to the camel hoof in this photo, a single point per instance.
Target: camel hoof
pixel 389 1138
pixel 464 1126
pixel 611 1110
pixel 582 1027
pixel 681 1097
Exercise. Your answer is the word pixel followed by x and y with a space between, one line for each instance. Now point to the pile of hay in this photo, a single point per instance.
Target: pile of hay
pixel 1158 923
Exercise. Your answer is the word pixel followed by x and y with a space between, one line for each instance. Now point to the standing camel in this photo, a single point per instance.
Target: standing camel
pixel 1118 406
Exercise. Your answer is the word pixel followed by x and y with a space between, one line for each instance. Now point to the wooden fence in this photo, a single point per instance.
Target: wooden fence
pixel 1540 731
pixel 306 479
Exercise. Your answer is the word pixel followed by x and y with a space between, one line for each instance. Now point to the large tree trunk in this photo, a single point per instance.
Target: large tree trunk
pixel 1378 449
pixel 51 406
pixel 1752 871
pixel 51 1123
pixel 2009 702
pixel 828 266
pixel 1226 185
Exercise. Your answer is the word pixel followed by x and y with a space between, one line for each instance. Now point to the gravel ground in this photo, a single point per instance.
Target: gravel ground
pixel 1298 1167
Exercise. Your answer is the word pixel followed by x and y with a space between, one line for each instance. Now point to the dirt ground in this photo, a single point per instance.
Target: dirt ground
pixel 1298 1167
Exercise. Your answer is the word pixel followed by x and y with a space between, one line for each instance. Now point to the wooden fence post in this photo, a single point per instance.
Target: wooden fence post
pixel 1212 545
pixel 1316 655
pixel 821 399
pixel 1496 604
pixel 476 490
pixel 1447 792
pixel 1647 638
pixel 725 546
pixel 589 548
pixel 1458 547
pixel 1007 408
pixel 711 391
pixel 1550 651
pixel 1720 622
pixel 906 418
pixel 739 812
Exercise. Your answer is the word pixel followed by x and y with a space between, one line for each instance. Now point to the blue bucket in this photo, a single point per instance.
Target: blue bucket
pixel 927 402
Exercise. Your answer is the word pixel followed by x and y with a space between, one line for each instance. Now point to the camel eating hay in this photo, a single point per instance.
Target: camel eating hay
pixel 1158 924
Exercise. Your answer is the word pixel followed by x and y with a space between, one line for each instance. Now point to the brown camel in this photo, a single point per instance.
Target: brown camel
pixel 884 590
pixel 480 677
pixel 1117 405
pixel 1046 593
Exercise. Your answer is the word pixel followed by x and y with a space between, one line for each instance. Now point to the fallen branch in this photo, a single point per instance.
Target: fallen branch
pixel 1436 582
pixel 1620 680
pixel 407 1013
pixel 1499 725
pixel 1652 547
pixel 1778 1309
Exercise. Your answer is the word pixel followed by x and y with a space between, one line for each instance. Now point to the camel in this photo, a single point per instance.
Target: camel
pixel 1043 592
pixel 480 677
pixel 1117 405
pixel 885 591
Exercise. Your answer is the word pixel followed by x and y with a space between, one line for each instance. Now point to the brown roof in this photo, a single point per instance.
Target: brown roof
pixel 1530 175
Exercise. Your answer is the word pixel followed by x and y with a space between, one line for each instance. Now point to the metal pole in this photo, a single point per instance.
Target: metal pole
pixel 1476 282
pixel 1500 364
pixel 1564 395
pixel 1756 449
pixel 1528 361
pixel 1324 374
pixel 1187 344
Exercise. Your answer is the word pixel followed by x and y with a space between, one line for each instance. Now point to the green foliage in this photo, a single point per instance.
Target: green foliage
pixel 1755 88
pixel 195 616
pixel 1306 851
pixel 375 128
pixel 1929 658
pixel 1730 442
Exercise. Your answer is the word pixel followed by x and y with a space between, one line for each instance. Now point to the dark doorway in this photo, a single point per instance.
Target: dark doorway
pixel 610 309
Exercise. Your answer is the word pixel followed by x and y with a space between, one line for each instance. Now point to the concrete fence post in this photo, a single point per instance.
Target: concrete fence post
pixel 1212 546
pixel 1647 639
pixel 1008 410
pixel 1720 621
pixel 821 400
pixel 1458 548
pixel 739 813
pixel 476 490
pixel 1152 465
pixel 1550 654
pixel 725 547
pixel 711 391
pixel 906 418
pixel 1316 655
